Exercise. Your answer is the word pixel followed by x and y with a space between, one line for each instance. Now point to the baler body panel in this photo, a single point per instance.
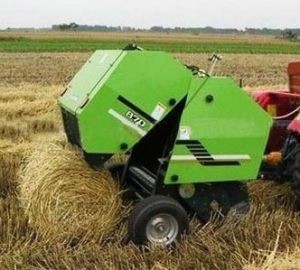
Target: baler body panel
pixel 121 96
pixel 128 99
pixel 86 80
pixel 222 136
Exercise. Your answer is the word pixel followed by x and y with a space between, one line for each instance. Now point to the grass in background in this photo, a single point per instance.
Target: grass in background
pixel 27 45
pixel 86 42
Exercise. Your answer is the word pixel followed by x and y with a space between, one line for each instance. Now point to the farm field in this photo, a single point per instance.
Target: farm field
pixel 38 168
pixel 58 68
pixel 176 43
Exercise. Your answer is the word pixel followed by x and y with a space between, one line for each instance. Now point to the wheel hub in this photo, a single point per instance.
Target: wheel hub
pixel 162 229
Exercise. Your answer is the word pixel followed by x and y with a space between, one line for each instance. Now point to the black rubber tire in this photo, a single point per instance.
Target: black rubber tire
pixel 290 168
pixel 296 174
pixel 291 163
pixel 295 179
pixel 148 208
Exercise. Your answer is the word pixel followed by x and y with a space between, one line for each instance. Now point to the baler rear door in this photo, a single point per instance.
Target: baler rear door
pixel 87 78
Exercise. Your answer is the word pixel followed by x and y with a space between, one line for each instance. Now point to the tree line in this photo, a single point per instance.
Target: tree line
pixel 291 34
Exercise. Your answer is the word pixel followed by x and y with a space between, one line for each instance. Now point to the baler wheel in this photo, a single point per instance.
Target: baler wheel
pixel 157 219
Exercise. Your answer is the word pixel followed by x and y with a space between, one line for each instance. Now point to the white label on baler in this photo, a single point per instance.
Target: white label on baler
pixel 103 58
pixel 158 111
pixel 184 133
pixel 74 98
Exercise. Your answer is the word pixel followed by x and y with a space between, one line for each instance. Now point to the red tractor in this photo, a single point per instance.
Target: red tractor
pixel 283 151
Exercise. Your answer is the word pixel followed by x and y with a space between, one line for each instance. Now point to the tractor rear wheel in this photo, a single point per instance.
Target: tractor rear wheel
pixel 159 220
pixel 296 173
pixel 290 171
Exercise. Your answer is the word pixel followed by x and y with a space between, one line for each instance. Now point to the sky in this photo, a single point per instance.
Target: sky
pixel 144 14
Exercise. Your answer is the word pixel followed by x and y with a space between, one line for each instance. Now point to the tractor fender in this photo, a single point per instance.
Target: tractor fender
pixel 294 126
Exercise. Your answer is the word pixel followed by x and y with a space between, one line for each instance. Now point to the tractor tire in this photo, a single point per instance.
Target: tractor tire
pixel 159 220
pixel 290 168
pixel 296 174
pixel 290 171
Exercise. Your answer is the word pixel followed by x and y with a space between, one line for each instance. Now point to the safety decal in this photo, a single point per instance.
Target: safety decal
pixel 199 153
pixel 159 111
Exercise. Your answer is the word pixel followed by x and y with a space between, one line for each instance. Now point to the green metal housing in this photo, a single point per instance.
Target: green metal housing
pixel 118 97
pixel 110 80
pixel 230 130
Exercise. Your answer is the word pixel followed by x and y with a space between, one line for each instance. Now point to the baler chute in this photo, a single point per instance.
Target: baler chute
pixel 192 141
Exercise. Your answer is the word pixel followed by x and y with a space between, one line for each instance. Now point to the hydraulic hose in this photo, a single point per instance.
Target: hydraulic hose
pixel 287 115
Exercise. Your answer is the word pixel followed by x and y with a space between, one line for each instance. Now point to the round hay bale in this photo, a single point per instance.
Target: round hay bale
pixel 11 158
pixel 65 199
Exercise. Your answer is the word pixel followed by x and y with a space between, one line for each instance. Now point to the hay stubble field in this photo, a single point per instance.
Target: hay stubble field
pixel 57 213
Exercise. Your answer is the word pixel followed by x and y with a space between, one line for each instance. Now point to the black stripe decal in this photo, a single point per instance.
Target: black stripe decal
pixel 194 147
pixel 198 151
pixel 187 142
pixel 203 156
pixel 204 159
pixel 220 163
pixel 136 109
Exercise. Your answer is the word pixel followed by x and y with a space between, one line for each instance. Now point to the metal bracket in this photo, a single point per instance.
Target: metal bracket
pixel 214 59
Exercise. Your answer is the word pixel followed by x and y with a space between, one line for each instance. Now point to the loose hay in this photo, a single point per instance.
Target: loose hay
pixel 12 130
pixel 43 123
pixel 271 195
pixel 285 261
pixel 21 108
pixel 11 157
pixel 65 199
